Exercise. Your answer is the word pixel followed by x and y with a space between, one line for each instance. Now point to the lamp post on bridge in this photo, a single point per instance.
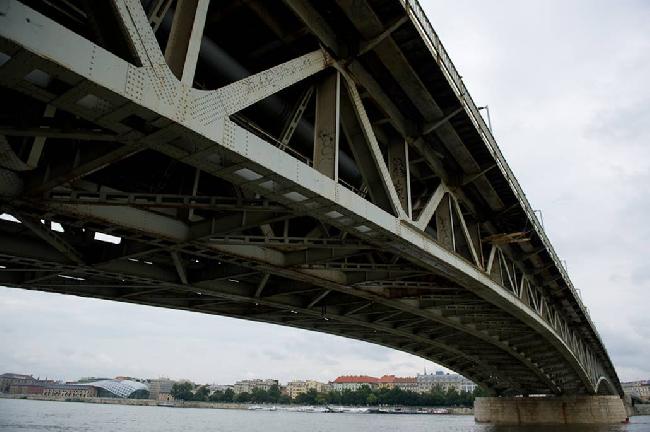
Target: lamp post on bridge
pixel 487 109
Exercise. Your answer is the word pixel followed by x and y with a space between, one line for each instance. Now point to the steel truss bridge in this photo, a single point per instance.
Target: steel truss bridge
pixel 314 164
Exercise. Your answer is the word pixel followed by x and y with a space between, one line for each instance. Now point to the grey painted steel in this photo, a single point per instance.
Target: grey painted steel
pixel 105 90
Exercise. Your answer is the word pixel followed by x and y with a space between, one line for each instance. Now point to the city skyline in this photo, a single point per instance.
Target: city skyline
pixel 438 372
pixel 572 126
pixel 436 389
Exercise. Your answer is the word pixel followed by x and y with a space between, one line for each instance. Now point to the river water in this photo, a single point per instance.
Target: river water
pixel 28 415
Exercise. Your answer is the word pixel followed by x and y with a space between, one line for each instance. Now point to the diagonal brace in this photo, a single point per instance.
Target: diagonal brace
pixel 50 237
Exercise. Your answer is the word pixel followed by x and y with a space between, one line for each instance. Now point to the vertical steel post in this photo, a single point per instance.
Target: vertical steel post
pixel 184 43
pixel 326 128
pixel 444 223
pixel 398 166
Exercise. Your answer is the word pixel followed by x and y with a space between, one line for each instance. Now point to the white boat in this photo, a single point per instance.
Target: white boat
pixel 262 408
pixel 439 411
pixel 307 408
pixel 354 410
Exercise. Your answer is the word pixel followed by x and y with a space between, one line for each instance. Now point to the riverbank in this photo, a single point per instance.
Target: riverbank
pixel 642 409
pixel 187 404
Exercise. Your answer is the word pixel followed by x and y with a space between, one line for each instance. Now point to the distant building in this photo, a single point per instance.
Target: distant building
pixel 247 386
pixel 80 389
pixel 353 382
pixel 127 378
pixel 26 389
pixel 19 381
pixel 640 389
pixel 161 389
pixel 221 387
pixel 387 381
pixel 89 379
pixel 69 390
pixel 407 383
pixel 403 383
pixel 427 382
pixel 7 379
pixel 296 388
pixel 114 388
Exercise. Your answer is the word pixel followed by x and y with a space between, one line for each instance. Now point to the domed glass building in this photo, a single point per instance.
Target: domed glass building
pixel 126 389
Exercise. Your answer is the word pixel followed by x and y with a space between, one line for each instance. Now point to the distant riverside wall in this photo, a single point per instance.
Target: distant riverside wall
pixel 133 402
pixel 175 404
pixel 642 409
pixel 461 411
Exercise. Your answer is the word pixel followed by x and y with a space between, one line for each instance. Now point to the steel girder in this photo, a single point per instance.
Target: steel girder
pixel 349 292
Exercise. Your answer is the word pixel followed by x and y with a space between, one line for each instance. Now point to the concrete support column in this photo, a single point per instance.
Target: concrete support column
pixel 551 410
pixel 326 127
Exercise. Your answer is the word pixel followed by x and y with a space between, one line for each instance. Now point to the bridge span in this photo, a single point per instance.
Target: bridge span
pixel 317 165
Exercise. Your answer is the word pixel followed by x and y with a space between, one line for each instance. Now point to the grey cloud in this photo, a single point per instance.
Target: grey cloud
pixel 623 126
pixel 275 355
pixel 641 276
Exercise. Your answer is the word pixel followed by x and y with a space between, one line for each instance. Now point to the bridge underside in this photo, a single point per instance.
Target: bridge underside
pixel 341 191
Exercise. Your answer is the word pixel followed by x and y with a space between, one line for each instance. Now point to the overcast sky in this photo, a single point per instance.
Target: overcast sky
pixel 567 86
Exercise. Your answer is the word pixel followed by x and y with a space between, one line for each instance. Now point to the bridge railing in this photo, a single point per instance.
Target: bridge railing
pixel 421 21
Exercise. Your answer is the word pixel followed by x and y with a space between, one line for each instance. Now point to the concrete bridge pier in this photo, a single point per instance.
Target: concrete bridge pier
pixel 550 410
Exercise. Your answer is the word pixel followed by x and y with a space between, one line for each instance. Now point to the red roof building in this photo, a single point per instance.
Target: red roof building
pixel 353 382
pixel 391 381
pixel 359 379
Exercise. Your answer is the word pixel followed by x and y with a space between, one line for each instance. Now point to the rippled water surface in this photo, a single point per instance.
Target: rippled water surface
pixel 27 415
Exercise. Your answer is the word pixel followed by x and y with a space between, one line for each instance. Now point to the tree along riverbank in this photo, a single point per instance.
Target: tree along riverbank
pixel 184 404
pixel 363 396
